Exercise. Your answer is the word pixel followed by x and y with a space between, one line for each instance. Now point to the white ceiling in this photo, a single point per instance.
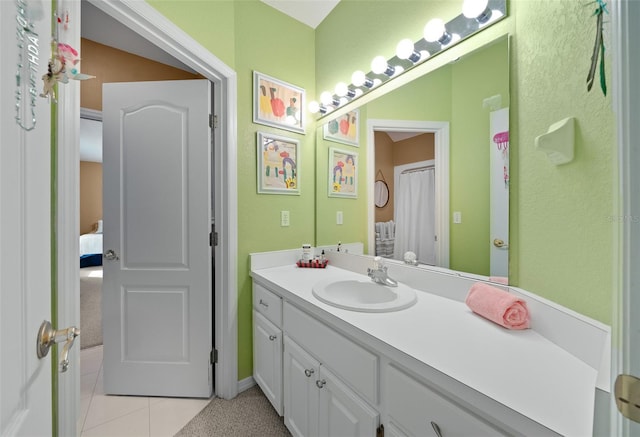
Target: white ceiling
pixel 399 136
pixel 309 12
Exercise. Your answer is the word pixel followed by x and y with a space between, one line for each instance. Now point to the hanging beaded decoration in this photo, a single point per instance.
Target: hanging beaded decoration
pixel 27 67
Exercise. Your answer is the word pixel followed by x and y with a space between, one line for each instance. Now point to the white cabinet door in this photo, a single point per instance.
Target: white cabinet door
pixel 301 395
pixel 267 359
pixel 416 410
pixel 342 412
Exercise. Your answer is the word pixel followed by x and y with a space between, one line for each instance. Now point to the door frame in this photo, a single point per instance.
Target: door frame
pixel 155 27
pixel 440 130
pixel 626 101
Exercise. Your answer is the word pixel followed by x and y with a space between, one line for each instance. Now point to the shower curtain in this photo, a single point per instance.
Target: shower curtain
pixel 415 216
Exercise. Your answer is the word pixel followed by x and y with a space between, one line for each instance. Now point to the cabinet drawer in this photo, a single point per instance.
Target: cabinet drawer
pixel 268 304
pixel 352 363
pixel 413 409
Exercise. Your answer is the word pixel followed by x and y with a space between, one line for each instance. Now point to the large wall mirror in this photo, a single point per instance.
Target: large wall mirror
pixel 437 142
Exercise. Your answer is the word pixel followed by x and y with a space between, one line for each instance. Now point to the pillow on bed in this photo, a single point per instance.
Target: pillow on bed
pixel 99 227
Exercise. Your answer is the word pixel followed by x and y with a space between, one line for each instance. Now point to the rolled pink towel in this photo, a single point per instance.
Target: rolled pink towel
pixel 499 306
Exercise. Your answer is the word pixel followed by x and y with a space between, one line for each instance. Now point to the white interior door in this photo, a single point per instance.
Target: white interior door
pixel 157 292
pixel 25 220
pixel 499 186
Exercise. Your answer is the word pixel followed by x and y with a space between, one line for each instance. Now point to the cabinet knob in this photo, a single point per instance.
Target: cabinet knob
pixel 272 337
pixel 436 428
pixel 320 383
pixel 308 372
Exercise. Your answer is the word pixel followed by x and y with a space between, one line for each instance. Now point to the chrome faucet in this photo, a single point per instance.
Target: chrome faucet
pixel 378 273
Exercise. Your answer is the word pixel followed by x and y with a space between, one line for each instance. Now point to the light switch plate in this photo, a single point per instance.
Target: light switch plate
pixel 338 217
pixel 284 218
pixel 457 217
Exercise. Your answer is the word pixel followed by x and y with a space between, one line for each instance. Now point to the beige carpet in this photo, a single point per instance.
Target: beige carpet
pixel 90 306
pixel 248 414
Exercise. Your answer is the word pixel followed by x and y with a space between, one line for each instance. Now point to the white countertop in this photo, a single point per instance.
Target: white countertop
pixel 519 369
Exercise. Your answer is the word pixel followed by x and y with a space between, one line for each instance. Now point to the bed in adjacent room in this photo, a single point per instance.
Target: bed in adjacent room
pixel 91 247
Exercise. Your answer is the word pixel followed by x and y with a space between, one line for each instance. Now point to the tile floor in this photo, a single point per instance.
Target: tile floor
pixel 122 416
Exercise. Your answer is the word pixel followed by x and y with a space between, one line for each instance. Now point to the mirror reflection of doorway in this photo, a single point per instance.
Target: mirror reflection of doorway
pixel 407 220
pixel 414 212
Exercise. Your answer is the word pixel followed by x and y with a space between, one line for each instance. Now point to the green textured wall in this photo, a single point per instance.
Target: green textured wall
pixel 211 23
pixel 282 48
pixel 564 227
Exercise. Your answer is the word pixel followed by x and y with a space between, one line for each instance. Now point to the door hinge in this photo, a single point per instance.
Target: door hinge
pixel 213 238
pixel 213 121
pixel 213 356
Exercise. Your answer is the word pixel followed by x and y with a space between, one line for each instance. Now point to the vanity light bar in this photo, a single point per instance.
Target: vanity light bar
pixel 438 37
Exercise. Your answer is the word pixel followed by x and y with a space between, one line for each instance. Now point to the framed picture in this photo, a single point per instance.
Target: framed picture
pixel 343 173
pixel 344 129
pixel 277 103
pixel 278 164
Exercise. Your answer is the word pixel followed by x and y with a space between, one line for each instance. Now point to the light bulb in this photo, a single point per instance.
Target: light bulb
pixel 405 50
pixel 341 89
pixel 358 78
pixel 434 30
pixel 326 98
pixel 476 9
pixel 379 65
pixel 314 107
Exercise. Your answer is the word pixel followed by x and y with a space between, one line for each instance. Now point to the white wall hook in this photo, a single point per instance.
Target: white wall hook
pixel 559 141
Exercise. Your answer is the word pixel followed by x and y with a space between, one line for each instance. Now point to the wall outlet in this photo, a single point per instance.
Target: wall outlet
pixel 338 217
pixel 284 218
pixel 457 217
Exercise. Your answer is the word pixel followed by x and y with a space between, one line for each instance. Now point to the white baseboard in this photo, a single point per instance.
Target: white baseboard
pixel 246 384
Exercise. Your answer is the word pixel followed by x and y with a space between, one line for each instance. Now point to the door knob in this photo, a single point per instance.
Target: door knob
pixel 500 244
pixel 48 336
pixel 111 255
pixel 627 393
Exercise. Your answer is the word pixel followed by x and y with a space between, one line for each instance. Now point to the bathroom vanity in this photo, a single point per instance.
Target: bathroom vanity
pixel 434 368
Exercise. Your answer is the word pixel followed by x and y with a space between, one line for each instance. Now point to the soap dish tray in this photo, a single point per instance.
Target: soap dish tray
pixel 314 264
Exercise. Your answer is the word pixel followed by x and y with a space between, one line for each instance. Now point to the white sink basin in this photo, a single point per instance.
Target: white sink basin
pixel 364 295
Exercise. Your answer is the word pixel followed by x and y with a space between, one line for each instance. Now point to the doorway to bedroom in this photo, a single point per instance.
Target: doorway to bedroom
pixel 109 62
